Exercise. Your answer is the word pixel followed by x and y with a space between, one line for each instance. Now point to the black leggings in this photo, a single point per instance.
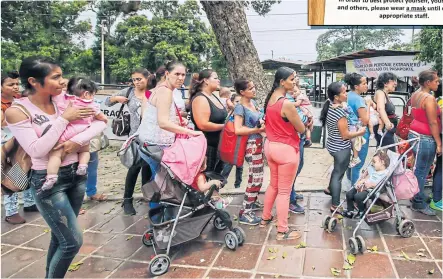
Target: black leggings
pixel 387 140
pixel 341 162
pixel 131 177
pixel 353 196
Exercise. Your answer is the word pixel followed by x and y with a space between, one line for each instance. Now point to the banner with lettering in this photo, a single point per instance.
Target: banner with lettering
pixel 401 66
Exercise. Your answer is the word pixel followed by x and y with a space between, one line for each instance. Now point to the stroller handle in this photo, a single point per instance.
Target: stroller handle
pixel 209 193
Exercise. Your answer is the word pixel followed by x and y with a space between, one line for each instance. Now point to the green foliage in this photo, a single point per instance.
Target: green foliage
pixel 336 42
pixel 41 28
pixel 175 32
pixel 430 39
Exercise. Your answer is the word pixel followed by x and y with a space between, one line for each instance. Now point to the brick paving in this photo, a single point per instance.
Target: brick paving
pixel 113 249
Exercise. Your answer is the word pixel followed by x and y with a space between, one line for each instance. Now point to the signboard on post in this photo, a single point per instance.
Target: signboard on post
pixel 401 66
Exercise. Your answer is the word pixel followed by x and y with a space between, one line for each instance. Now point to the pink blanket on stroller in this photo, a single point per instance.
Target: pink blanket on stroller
pixel 185 157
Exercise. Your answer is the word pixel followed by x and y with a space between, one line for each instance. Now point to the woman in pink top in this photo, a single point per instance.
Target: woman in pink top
pixel 427 126
pixel 282 150
pixel 28 120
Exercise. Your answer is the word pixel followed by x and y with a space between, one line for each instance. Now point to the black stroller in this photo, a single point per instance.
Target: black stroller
pixel 182 213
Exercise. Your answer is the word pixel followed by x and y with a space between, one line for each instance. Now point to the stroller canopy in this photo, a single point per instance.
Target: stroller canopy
pixel 185 157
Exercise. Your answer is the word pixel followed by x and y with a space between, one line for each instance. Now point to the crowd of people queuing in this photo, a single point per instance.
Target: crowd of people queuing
pixel 57 119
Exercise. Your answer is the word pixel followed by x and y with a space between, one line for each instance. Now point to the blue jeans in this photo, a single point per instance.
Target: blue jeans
pixel 59 207
pixel 424 153
pixel 300 167
pixel 238 173
pixel 354 173
pixel 11 202
pixel 91 182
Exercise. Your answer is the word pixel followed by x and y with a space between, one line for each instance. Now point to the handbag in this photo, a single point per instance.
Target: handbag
pixel 405 122
pixel 129 153
pixel 15 163
pixel 98 143
pixel 405 185
pixel 232 148
pixel 121 125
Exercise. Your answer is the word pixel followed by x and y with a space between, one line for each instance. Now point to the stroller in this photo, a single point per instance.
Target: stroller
pixel 182 212
pixel 388 201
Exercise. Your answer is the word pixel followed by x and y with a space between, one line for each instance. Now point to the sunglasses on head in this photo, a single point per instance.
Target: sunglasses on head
pixel 136 79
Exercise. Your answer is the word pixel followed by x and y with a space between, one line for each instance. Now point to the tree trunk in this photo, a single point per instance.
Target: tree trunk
pixel 228 21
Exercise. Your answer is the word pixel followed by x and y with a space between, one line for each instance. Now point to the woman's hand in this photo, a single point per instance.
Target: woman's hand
pixel 69 147
pixel 120 99
pixel 361 131
pixel 389 126
pixel 439 150
pixel 193 133
pixel 72 113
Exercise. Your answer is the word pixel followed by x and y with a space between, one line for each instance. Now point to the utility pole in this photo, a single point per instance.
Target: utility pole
pixel 103 51
pixel 272 54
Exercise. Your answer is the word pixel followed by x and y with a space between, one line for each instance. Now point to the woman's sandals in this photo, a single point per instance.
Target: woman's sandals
pixel 288 235
pixel 264 223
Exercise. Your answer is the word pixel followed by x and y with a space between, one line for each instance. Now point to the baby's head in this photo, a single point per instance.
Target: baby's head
pixel 225 93
pixel 381 160
pixel 82 87
pixel 235 98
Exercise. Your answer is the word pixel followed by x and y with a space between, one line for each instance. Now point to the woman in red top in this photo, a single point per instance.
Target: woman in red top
pixel 282 150
pixel 427 126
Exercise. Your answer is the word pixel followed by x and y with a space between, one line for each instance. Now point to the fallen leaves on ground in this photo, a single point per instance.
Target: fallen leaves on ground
pixel 235 217
pixel 335 272
pixel 431 271
pixel 347 267
pixel 420 254
pixel 313 267
pixel 46 230
pixel 271 258
pixel 74 266
pixel 301 245
pixel 373 249
pixel 284 255
pixel 404 255
pixel 129 237
pixel 350 259
pixel 277 275
pixel 421 250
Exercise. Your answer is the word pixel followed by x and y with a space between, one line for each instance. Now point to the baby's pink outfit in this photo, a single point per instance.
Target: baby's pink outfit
pixel 75 127
pixel 305 105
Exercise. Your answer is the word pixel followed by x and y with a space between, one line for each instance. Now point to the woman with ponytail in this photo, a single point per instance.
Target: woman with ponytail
pixel 282 151
pixel 208 114
pixel 338 143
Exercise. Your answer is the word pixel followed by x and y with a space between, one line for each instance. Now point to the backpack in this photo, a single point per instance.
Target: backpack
pixel 15 163
pixel 232 148
pixel 121 125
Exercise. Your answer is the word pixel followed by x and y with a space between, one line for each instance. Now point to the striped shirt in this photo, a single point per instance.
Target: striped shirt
pixel 335 141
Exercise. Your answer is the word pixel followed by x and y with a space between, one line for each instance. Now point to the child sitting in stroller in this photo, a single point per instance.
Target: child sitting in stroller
pixel 202 184
pixel 368 180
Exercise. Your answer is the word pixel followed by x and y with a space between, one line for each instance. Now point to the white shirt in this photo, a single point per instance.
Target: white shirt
pixel 179 101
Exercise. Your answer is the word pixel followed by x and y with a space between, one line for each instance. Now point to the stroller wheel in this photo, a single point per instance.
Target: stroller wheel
pixel 240 235
pixel 219 224
pixel 361 243
pixel 326 222
pixel 406 228
pixel 332 223
pixel 231 240
pixel 159 265
pixel 147 238
pixel 353 245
